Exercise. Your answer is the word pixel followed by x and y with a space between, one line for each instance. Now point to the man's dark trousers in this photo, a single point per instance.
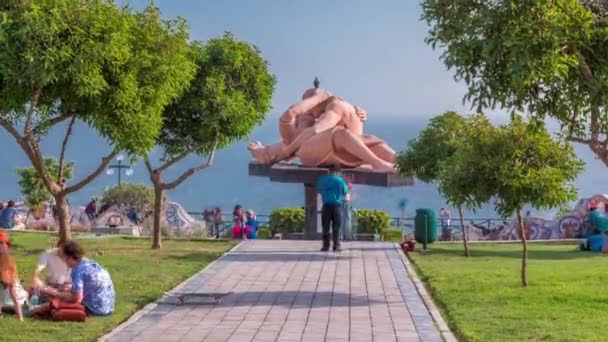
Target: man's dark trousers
pixel 331 214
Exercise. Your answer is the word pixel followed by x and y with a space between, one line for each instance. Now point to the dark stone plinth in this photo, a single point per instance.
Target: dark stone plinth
pixel 294 173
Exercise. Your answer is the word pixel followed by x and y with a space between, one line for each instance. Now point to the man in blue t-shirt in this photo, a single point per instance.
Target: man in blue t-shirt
pixel 91 283
pixel 332 188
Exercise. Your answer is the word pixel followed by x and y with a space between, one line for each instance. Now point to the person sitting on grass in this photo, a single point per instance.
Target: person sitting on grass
pixel 595 241
pixel 251 226
pixel 91 284
pixel 58 273
pixel 12 295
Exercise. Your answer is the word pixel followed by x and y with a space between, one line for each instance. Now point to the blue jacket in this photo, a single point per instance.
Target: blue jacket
pixel 7 217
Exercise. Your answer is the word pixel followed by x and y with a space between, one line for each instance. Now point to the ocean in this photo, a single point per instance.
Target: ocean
pixel 227 182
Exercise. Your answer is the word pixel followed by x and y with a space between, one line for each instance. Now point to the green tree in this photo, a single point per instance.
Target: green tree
pixel 438 155
pixel 547 57
pixel 32 186
pixel 137 197
pixel 227 98
pixel 90 61
pixel 437 142
pixel 525 166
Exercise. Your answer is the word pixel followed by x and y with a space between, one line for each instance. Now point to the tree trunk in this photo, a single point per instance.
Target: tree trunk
pixel 465 240
pixel 63 216
pixel 158 203
pixel 524 242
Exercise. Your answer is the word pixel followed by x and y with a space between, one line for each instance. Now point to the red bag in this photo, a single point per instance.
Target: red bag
pixel 69 312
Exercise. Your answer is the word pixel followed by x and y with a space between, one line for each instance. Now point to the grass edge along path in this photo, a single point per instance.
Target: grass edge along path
pixel 481 297
pixel 141 276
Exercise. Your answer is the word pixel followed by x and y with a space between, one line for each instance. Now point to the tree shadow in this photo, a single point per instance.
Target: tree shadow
pixel 516 254
pixel 289 299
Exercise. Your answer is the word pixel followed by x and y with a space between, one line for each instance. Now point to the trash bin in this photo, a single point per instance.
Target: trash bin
pixel 425 226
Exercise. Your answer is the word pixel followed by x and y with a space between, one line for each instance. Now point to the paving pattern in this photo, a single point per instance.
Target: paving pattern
pixel 289 291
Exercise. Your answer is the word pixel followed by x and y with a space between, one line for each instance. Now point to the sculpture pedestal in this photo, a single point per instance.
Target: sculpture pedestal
pixel 311 212
pixel 293 173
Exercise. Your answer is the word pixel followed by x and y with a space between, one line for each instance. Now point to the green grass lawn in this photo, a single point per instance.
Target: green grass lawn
pixel 140 276
pixel 482 299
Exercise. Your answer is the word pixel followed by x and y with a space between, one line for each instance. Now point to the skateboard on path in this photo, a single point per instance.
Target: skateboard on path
pixel 218 297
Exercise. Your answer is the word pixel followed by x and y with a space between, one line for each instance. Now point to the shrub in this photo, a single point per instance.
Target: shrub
pixel 372 221
pixel 139 197
pixel 287 220
pixel 391 234
pixel 264 233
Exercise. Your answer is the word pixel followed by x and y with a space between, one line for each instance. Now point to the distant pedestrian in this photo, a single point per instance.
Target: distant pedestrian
pixel 7 217
pixel 445 217
pixel 333 189
pixel 238 218
pixel 91 209
pixel 207 217
pixel 251 226
pixel 218 221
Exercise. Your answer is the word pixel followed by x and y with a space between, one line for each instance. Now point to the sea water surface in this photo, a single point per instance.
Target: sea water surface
pixel 227 182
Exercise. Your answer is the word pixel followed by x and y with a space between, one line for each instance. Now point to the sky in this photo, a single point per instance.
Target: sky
pixel 371 53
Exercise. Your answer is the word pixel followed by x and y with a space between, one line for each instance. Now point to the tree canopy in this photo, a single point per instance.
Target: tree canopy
pixel 547 57
pixel 437 142
pixel 442 154
pixel 32 186
pixel 229 95
pixel 522 164
pixel 525 165
pixel 92 61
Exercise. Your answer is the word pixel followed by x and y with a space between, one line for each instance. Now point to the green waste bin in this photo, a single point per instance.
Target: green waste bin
pixel 425 226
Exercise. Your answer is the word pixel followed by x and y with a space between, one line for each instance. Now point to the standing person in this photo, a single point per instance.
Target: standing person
pixel 217 221
pixel 238 230
pixel 346 225
pixel 208 219
pixel 91 209
pixel 333 189
pixel 7 217
pixel 91 284
pixel 445 217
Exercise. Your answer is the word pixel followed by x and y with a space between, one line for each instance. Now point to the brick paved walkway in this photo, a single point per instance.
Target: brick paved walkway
pixel 288 291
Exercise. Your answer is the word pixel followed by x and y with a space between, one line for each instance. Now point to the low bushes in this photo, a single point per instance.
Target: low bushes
pixel 372 221
pixel 264 233
pixel 287 220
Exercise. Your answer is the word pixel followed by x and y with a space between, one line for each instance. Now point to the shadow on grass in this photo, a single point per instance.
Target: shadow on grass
pixel 516 253
pixel 194 256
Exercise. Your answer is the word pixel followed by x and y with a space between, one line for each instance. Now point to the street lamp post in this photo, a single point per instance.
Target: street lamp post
pixel 119 166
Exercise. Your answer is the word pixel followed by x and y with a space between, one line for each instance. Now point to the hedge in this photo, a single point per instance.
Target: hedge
pixel 372 221
pixel 287 220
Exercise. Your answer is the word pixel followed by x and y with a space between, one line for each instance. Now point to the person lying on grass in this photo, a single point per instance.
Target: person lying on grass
pixel 10 288
pixel 91 283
